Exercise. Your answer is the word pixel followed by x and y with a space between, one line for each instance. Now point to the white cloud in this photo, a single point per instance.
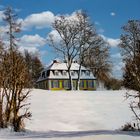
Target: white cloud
pixel 30 49
pixel 42 20
pixel 73 16
pixel 118 69
pixel 111 41
pixel 26 42
pixel 3 30
pixel 55 36
pixel 38 20
pixel 32 41
pixel 113 14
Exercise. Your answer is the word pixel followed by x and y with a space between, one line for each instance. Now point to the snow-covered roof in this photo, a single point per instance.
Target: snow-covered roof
pixel 63 66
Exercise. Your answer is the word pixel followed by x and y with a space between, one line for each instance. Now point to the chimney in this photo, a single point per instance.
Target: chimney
pixel 56 61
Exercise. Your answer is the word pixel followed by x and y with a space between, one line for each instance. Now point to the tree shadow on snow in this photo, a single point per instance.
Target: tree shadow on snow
pixel 68 134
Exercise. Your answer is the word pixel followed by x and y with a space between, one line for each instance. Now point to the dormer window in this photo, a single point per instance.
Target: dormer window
pixel 87 73
pixel 82 72
pixel 43 74
pixel 47 73
pixel 56 73
pixel 64 73
pixel 72 73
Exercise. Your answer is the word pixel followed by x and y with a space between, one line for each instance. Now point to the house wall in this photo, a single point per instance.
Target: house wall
pixel 43 84
pixel 61 84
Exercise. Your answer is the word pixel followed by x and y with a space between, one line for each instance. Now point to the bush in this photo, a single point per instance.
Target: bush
pixel 128 127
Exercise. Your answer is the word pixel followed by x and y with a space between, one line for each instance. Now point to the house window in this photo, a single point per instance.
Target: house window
pixel 72 73
pixel 43 74
pixel 64 73
pixel 82 73
pixel 66 84
pixel 91 84
pixel 47 73
pixel 82 83
pixel 56 73
pixel 55 84
pixel 87 73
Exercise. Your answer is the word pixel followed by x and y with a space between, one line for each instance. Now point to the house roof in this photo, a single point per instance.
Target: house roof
pixel 63 66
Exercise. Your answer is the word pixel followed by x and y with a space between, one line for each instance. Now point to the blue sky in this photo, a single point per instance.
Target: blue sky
pixel 108 16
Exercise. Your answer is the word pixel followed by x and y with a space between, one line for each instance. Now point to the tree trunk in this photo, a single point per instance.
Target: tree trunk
pixel 70 79
pixel 78 80
pixel 1 116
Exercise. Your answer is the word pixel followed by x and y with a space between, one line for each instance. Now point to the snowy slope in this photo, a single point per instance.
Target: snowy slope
pixel 76 115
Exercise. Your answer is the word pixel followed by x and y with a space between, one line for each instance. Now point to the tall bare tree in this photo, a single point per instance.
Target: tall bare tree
pixel 34 66
pixel 1 90
pixel 130 49
pixel 91 44
pixel 15 78
pixel 77 36
pixel 68 30
pixel 98 59
pixel 86 38
pixel 130 39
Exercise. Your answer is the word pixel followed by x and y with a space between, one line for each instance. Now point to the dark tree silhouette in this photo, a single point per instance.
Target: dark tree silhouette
pixel 14 78
pixel 130 47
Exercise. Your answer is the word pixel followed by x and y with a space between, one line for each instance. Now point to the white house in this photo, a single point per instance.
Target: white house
pixel 55 77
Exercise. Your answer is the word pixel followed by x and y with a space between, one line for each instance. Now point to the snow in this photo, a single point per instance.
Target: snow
pixel 76 115
pixel 63 66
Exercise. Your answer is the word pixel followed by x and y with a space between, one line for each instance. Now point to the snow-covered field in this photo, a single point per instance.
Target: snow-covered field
pixel 77 115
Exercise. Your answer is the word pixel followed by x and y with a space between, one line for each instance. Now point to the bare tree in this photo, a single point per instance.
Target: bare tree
pixel 68 46
pixel 91 44
pixel 86 38
pixel 34 66
pixel 15 78
pixel 130 47
pixel 98 59
pixel 1 90
pixel 131 80
pixel 77 36
pixel 130 39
